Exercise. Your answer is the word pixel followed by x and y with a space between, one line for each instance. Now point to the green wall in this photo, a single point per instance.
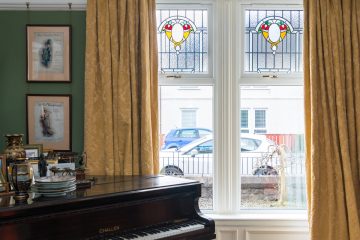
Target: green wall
pixel 13 85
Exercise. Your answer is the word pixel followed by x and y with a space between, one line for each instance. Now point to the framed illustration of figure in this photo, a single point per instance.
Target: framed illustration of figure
pixel 49 121
pixel 48 53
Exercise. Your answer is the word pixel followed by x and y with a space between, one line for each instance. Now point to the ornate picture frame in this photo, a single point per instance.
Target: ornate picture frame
pixel 48 53
pixel 49 120
pixel 33 150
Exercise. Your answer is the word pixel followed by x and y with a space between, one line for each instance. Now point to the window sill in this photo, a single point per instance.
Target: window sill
pixel 289 218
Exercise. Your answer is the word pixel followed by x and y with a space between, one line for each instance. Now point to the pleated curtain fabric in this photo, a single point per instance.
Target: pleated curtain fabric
pixel 121 88
pixel 332 107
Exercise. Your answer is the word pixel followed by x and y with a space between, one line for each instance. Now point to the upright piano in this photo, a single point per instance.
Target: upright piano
pixel 138 207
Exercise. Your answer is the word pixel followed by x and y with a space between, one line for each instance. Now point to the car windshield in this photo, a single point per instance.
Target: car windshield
pixel 249 144
pixel 206 147
pixel 187 133
pixel 195 143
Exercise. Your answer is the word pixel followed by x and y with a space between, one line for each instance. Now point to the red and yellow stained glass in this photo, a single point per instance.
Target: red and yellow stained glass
pixel 177 30
pixel 274 30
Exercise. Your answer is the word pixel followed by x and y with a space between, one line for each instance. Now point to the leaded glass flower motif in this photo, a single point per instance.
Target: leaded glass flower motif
pixel 274 30
pixel 177 30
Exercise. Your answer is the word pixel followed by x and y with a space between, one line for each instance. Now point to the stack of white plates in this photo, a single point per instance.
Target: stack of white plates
pixel 54 186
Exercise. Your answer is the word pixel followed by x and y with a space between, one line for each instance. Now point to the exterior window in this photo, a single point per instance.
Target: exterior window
pixel 184 36
pixel 189 131
pixel 244 118
pixel 183 40
pixel 260 121
pixel 268 120
pixel 273 40
pixel 188 118
pixel 272 159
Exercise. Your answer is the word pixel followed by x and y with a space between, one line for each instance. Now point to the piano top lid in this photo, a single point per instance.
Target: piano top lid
pixel 104 187
pixel 127 184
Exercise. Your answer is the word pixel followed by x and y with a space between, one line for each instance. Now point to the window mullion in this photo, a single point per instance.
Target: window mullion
pixel 227 181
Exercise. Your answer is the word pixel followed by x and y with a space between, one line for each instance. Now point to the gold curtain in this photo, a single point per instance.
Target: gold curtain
pixel 332 101
pixel 121 109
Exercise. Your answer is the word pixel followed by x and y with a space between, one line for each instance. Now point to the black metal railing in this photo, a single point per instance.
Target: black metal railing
pixel 202 165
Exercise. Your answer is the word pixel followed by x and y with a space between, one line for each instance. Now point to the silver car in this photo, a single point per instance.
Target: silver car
pixel 196 158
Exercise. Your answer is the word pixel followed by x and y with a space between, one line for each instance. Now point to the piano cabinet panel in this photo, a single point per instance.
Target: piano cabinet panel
pixel 110 215
pixel 92 221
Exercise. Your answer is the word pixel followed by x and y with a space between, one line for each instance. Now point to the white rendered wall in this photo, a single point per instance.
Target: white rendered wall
pixel 283 105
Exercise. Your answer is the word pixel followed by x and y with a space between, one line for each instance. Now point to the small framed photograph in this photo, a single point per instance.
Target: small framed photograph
pixel 33 150
pixel 48 50
pixel 49 121
pixel 48 152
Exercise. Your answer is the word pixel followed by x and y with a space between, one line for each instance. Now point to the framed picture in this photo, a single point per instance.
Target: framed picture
pixel 3 164
pixel 48 152
pixel 49 121
pixel 4 185
pixel 33 150
pixel 48 51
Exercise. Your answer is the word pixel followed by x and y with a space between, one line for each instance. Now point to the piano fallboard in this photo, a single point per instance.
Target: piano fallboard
pixel 112 207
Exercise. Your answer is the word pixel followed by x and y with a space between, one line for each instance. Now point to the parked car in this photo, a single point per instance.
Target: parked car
pixel 196 158
pixel 179 137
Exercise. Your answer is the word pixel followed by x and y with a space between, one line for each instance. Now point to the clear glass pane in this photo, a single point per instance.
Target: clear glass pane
pixel 273 40
pixel 244 118
pixel 260 118
pixel 186 137
pixel 272 151
pixel 183 40
pixel 188 118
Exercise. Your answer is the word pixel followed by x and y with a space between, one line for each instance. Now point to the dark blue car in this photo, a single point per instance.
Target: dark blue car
pixel 179 137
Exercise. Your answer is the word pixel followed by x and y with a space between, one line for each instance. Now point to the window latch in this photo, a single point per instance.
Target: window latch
pixel 173 76
pixel 270 76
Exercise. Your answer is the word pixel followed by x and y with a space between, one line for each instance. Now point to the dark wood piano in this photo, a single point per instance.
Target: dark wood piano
pixel 147 207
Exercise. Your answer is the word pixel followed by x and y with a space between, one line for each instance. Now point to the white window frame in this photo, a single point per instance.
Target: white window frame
pixel 172 78
pixel 230 77
pixel 265 79
pixel 226 78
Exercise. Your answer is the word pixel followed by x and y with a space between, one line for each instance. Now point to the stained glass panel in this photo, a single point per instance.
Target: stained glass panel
pixel 183 40
pixel 273 40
